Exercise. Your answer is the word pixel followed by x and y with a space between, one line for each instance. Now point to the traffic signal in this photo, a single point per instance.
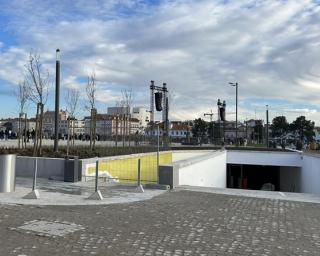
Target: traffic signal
pixel 222 113
pixel 158 101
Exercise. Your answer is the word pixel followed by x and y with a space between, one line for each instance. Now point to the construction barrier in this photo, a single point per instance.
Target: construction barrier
pixel 124 168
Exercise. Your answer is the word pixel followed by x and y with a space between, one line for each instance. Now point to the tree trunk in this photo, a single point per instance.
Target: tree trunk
pixel 94 128
pixel 117 120
pixel 123 130
pixel 40 130
pixel 91 124
pixel 25 130
pixel 36 133
pixel 19 131
pixel 73 133
pixel 129 129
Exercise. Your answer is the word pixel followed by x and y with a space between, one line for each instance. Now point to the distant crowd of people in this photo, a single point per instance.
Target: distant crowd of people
pixel 8 134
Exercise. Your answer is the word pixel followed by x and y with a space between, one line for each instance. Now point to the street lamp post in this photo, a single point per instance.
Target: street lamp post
pixel 236 85
pixel 56 121
pixel 267 126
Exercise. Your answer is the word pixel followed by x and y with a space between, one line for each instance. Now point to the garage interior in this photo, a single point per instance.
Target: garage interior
pixel 262 177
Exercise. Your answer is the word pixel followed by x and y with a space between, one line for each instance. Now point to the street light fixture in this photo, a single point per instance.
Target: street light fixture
pixel 236 85
pixel 56 121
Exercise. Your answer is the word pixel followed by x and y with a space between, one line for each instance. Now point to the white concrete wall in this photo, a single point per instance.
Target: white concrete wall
pixel 264 158
pixel 187 154
pixel 310 175
pixel 209 171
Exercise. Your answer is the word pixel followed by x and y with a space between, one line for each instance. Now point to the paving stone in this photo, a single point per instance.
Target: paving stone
pixel 174 223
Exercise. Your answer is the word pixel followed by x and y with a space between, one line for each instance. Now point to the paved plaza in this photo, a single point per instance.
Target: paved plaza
pixel 180 222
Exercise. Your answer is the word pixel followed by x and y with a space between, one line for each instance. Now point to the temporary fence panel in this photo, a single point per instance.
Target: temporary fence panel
pixel 126 169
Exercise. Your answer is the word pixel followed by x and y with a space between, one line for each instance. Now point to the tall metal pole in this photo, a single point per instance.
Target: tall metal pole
pixel 34 184
pixel 267 127
pixel 237 114
pixel 139 172
pixel 167 121
pixel 219 120
pixel 164 104
pixel 56 121
pixel 236 85
pixel 224 105
pixel 158 149
pixel 97 176
pixel 152 102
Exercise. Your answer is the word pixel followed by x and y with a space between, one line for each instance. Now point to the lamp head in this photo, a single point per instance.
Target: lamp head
pixel 58 54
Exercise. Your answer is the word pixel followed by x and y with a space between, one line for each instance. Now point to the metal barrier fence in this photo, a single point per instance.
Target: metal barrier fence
pixel 125 169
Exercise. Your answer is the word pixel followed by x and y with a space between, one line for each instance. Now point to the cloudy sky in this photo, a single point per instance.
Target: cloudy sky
pixel 271 48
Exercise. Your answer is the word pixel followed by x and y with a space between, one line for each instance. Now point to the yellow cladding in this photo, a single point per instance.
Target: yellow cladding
pixel 127 168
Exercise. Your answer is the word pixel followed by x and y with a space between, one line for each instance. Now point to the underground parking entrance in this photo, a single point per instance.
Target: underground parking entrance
pixel 263 177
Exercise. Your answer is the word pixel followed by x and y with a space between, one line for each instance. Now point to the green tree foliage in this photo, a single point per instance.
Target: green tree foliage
pixel 211 130
pixel 303 128
pixel 199 129
pixel 279 126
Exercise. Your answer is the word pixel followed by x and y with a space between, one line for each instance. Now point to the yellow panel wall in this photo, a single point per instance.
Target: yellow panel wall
pixel 126 169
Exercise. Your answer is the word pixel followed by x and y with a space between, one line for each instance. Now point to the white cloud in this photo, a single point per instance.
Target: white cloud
pixel 197 47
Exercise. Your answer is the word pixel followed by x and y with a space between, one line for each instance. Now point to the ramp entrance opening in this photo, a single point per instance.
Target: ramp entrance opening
pixel 256 177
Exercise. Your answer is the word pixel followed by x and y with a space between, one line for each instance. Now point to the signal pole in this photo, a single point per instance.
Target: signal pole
pixel 165 108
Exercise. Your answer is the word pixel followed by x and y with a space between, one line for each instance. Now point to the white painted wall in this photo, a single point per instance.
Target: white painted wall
pixel 209 172
pixel 187 154
pixel 310 175
pixel 264 158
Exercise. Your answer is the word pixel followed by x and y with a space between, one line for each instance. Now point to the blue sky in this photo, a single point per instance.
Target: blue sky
pixel 271 48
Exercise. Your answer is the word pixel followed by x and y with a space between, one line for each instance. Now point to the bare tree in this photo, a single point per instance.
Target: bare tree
pixel 72 99
pixel 127 102
pixel 22 95
pixel 37 81
pixel 91 94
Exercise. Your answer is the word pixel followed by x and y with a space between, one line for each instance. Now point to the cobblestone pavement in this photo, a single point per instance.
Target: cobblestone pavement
pixel 174 223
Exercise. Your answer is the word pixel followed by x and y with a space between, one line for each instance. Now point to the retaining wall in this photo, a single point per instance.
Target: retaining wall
pixel 310 174
pixel 273 158
pixel 208 170
pixel 47 167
